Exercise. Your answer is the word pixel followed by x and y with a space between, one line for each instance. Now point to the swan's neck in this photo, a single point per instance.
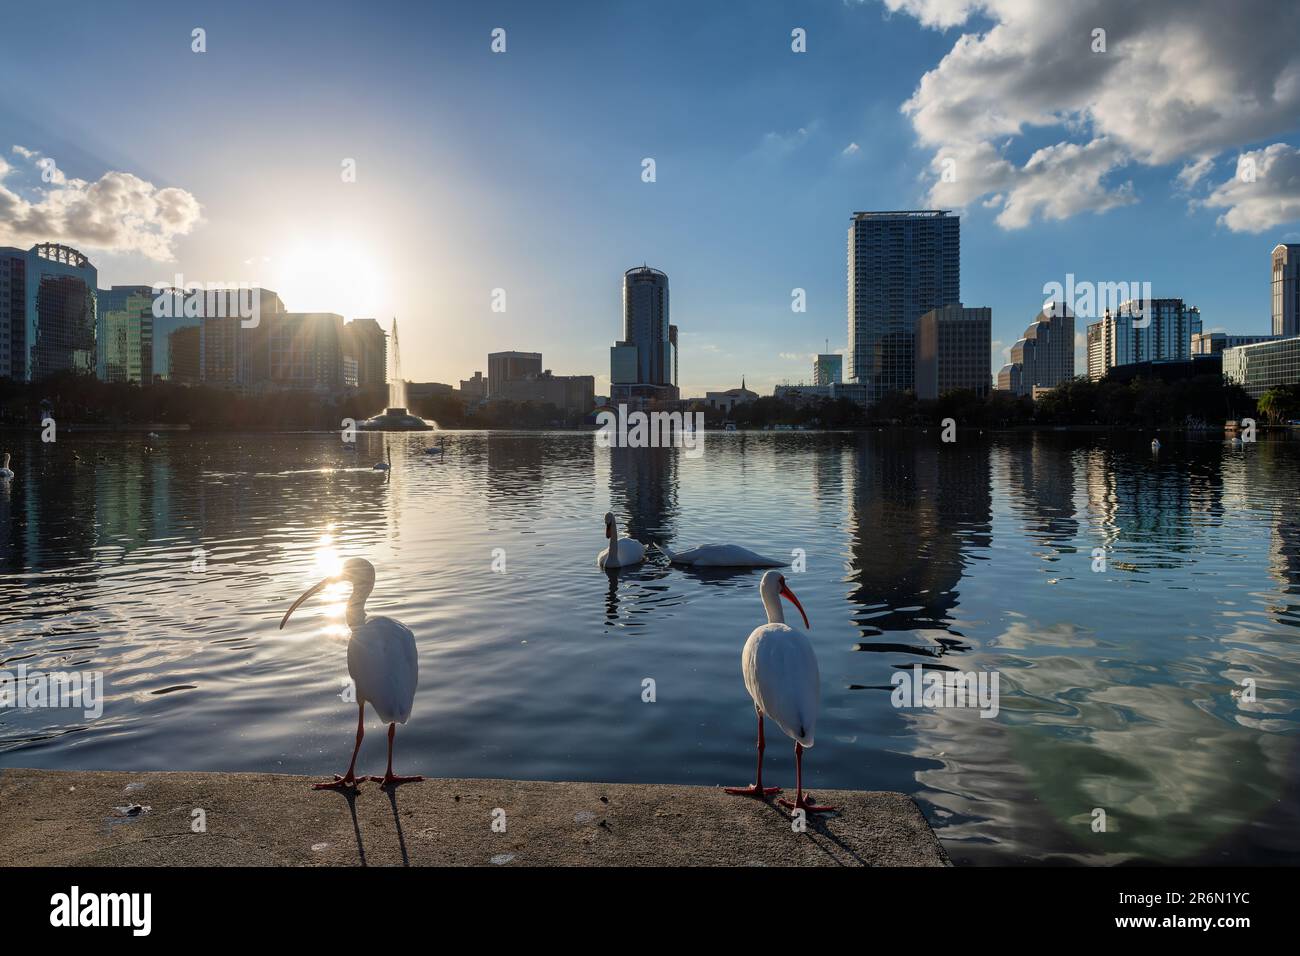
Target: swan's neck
pixel 611 559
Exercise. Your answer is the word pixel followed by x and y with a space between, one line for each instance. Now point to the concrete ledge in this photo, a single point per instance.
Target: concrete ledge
pixel 74 818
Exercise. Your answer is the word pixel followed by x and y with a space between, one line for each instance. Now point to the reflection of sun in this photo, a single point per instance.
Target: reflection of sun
pixel 327 275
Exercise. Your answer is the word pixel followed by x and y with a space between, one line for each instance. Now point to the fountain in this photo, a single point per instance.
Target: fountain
pixel 395 418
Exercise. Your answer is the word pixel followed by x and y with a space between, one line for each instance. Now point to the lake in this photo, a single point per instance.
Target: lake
pixel 1154 680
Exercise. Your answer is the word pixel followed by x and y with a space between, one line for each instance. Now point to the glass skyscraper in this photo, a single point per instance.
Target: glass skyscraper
pixel 47 312
pixel 901 266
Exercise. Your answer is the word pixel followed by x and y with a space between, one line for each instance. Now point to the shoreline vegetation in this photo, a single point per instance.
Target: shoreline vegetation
pixel 1204 403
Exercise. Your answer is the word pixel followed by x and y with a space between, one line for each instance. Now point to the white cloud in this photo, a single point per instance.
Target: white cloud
pixel 119 212
pixel 1181 81
pixel 1272 198
pixel 851 150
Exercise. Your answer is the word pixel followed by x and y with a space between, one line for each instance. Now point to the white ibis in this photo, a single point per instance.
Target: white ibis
pixel 720 556
pixel 5 473
pixel 622 552
pixel 383 664
pixel 780 671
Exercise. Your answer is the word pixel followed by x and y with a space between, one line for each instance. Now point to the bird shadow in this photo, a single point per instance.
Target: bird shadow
pixel 397 824
pixel 817 824
pixel 391 792
pixel 351 797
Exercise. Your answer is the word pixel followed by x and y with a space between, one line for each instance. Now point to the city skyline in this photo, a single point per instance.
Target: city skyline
pixel 530 179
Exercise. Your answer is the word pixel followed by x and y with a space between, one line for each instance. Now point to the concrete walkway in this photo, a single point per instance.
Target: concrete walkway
pixel 56 818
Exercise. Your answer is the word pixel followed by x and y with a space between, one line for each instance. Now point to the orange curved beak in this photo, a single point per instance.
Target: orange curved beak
pixel 305 595
pixel 785 593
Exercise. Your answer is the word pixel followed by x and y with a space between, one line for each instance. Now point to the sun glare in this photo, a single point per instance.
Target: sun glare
pixel 329 275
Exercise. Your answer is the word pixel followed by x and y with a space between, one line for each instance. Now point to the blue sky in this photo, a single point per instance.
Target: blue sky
pixel 522 170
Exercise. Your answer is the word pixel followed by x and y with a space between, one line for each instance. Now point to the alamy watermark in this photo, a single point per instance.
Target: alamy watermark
pixel 79 689
pixel 1089 300
pixel 936 689
pixel 626 429
pixel 212 300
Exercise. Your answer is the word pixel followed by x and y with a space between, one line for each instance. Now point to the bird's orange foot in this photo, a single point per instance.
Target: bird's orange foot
pixel 338 783
pixel 753 790
pixel 807 804
pixel 392 780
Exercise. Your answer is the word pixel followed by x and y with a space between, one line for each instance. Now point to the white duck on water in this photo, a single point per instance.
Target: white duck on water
pixel 622 552
pixel 383 663
pixel 781 675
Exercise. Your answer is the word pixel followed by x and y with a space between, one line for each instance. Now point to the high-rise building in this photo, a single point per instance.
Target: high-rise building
pixel 511 366
pixel 900 266
pixel 828 369
pixel 124 334
pixel 953 346
pixel 47 312
pixel 474 389
pixel 304 350
pixel 1044 356
pixel 643 363
pixel 365 344
pixel 1286 290
pixel 1141 331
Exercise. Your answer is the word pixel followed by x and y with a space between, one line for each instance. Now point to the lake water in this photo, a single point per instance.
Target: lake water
pixel 1126 689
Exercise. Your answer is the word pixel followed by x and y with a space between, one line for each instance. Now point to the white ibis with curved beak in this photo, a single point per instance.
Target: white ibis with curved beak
pixel 621 552
pixel 383 663
pixel 780 671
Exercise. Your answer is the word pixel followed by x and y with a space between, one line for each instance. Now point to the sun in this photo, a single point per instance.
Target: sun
pixel 330 275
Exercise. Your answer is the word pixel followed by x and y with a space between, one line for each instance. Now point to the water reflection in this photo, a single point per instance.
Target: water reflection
pixel 167 564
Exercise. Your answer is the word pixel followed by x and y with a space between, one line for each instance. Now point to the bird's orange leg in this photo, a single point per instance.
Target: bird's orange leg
pixel 803 801
pixel 389 778
pixel 755 789
pixel 348 781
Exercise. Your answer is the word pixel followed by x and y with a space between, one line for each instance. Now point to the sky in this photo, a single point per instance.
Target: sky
pixel 1164 150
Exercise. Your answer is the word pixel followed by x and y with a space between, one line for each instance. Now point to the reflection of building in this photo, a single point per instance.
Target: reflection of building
pixel 1261 366
pixel 124 334
pixel 1286 290
pixel 47 312
pixel 828 369
pixel 920 511
pixel 508 366
pixel 901 265
pixel 643 364
pixel 1044 356
pixel 1161 330
pixel 365 351
pixel 726 401
pixel 953 347
pixel 1212 343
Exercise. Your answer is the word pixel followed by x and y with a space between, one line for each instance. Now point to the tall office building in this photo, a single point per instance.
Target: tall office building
pixel 47 312
pixel 643 364
pixel 1161 332
pixel 124 334
pixel 232 354
pixel 1212 343
pixel 953 351
pixel 510 367
pixel 900 266
pixel 1286 290
pixel 365 346
pixel 828 369
pixel 1044 356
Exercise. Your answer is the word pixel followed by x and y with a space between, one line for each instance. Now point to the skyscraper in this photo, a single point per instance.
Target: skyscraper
pixel 366 343
pixel 900 266
pixel 47 312
pixel 828 369
pixel 953 351
pixel 1162 330
pixel 124 334
pixel 1286 290
pixel 643 364
pixel 1044 356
